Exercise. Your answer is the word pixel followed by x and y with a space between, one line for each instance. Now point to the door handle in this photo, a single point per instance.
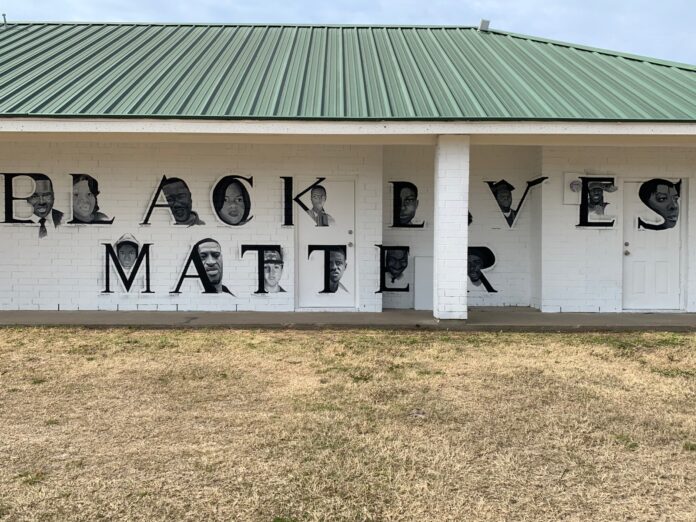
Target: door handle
pixel 350 244
pixel 627 253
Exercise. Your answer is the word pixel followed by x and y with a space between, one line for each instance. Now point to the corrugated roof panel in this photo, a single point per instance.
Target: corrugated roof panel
pixel 455 85
pixel 178 66
pixel 328 72
pixel 313 82
pixel 399 97
pixel 198 86
pixel 290 92
pixel 251 82
pixel 378 104
pixel 354 80
pixel 266 96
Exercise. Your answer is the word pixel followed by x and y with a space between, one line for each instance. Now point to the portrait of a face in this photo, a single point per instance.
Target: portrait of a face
pixel 43 197
pixel 318 197
pixel 317 212
pixel 85 203
pixel 179 200
pixel 662 197
pixel 337 266
pixel 408 198
pixel 272 272
pixel 396 262
pixel 231 201
pixel 210 255
pixel 233 208
pixel 502 191
pixel 503 195
pixel 595 196
pixel 474 266
pixel 127 253
pixel 479 259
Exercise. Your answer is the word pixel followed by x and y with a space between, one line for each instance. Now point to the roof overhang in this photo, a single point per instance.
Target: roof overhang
pixel 367 132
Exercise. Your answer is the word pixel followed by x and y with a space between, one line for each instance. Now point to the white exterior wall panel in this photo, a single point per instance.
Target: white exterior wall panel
pixel 65 270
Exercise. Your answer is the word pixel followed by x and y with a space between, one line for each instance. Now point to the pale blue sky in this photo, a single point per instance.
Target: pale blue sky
pixel 658 28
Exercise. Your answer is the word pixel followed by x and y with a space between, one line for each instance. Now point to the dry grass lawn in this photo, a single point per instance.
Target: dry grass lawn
pixel 345 425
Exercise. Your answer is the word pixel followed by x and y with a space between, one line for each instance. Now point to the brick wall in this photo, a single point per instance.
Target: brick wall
pixel 65 269
pixel 512 275
pixel 582 269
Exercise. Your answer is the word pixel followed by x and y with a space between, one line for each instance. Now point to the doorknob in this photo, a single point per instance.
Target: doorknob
pixel 627 253
pixel 626 243
pixel 350 244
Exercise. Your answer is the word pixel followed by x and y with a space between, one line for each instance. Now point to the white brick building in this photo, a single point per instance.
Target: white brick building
pixel 604 143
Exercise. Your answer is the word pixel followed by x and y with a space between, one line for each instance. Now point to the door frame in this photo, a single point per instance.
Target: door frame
pixel 683 241
pixel 300 181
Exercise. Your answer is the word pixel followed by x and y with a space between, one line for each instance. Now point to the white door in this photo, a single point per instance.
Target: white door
pixel 326 279
pixel 651 275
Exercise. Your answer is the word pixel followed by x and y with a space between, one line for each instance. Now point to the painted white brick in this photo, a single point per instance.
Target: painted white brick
pixel 66 268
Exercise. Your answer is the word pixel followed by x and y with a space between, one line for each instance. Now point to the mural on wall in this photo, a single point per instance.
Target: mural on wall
pixel 393 263
pixel 593 194
pixel 502 191
pixel 335 265
pixel 317 213
pixel 662 197
pixel 40 198
pixel 179 202
pixel 85 204
pixel 405 205
pixel 127 248
pixel 272 272
pixel 269 267
pixel 127 258
pixel 480 258
pixel 231 200
pixel 206 256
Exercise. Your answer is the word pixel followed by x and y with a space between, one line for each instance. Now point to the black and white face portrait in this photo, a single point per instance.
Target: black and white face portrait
pixel 180 202
pixel 595 196
pixel 502 191
pixel 337 266
pixel 85 204
pixel 317 212
pixel 43 197
pixel 127 251
pixel 231 201
pixel 396 262
pixel 408 204
pixel 503 195
pixel 272 272
pixel 662 197
pixel 479 259
pixel 210 254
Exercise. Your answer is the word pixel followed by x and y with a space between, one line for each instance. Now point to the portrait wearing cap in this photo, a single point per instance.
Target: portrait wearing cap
pixel 272 272
pixel 127 250
pixel 502 190
pixel 480 258
pixel 595 196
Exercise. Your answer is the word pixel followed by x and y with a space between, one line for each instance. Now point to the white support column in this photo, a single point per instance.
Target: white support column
pixel 451 232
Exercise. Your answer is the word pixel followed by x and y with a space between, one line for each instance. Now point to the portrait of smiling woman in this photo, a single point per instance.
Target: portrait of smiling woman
pixel 84 201
pixel 231 201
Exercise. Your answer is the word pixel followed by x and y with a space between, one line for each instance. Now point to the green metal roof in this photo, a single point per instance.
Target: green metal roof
pixel 328 72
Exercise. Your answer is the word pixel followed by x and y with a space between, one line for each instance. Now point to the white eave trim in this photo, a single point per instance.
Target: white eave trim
pixel 338 128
